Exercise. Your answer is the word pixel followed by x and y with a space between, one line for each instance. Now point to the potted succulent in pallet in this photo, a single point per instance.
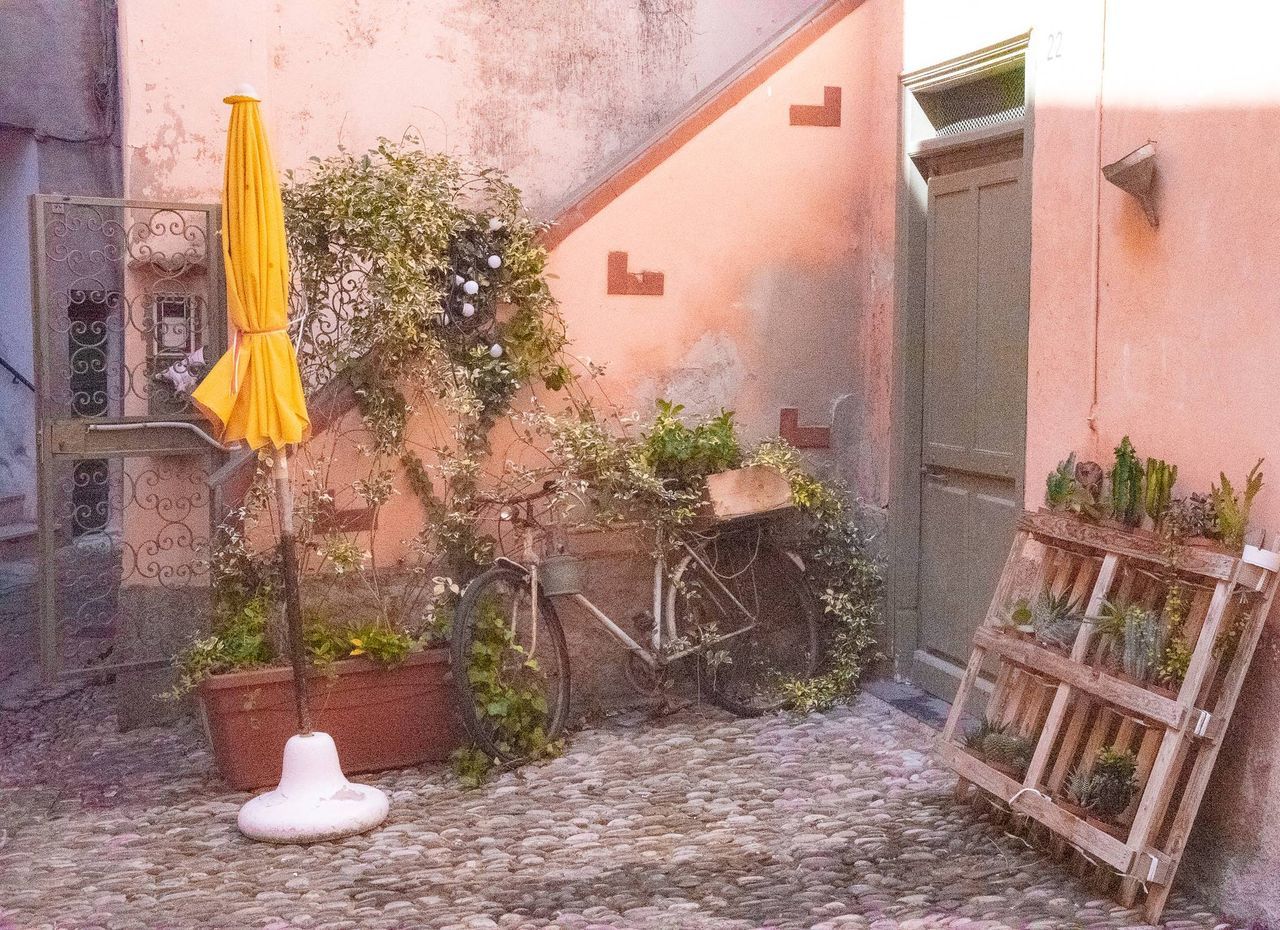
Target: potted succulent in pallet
pixel 1135 637
pixel 1002 748
pixel 1102 792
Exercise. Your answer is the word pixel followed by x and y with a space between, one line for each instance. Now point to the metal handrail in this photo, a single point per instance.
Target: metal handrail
pixel 18 377
pixel 161 424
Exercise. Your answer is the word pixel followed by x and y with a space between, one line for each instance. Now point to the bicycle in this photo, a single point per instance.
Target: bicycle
pixel 736 606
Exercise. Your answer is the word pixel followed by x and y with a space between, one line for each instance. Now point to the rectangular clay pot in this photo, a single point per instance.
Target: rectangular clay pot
pixel 380 717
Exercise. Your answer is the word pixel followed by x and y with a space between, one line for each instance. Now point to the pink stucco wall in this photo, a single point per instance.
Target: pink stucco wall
pixel 1185 334
pixel 547 90
pixel 776 242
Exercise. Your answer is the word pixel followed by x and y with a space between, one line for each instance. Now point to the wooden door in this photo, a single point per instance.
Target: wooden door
pixel 974 406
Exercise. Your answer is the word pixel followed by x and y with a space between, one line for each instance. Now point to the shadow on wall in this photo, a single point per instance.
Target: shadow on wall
pixel 1178 349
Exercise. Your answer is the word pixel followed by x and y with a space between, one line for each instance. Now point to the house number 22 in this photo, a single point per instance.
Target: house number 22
pixel 1054 42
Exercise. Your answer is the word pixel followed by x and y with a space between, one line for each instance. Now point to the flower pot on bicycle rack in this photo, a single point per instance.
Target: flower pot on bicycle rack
pixel 561 574
pixel 755 491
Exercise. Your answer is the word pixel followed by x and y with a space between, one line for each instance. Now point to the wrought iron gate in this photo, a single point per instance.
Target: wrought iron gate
pixel 128 313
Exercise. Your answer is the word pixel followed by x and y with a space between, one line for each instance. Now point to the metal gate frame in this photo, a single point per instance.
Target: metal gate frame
pixel 174 438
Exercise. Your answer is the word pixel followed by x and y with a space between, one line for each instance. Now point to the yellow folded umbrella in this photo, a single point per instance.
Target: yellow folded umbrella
pixel 254 392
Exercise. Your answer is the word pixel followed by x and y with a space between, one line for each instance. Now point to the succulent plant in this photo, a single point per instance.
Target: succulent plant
pixel 1114 780
pixel 1009 749
pixel 1190 516
pixel 1000 745
pixel 1061 483
pixel 1091 477
pixel 1107 787
pixel 977 734
pixel 1138 634
pixel 1056 618
pixel 1161 477
pixel 1126 485
pixel 1232 510
pixel 1075 488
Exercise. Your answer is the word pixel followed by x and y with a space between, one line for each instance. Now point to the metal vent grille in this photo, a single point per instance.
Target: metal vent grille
pixel 988 101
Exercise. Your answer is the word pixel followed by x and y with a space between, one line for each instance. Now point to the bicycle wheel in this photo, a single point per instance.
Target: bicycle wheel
pixel 743 587
pixel 512 677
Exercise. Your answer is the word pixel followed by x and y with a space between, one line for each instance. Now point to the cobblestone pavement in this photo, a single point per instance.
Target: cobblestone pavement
pixel 690 821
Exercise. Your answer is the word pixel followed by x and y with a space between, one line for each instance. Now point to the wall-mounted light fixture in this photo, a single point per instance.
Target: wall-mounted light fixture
pixel 1136 174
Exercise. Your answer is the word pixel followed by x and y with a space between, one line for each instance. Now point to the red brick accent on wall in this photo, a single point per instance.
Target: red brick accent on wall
pixel 828 114
pixel 802 437
pixel 635 284
pixel 716 101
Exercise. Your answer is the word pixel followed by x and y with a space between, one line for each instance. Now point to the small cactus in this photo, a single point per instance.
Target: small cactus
pixel 1126 485
pixel 1161 477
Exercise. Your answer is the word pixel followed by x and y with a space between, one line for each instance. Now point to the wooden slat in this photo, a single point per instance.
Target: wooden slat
pixel 1097 708
pixel 1151 549
pixel 1202 769
pixel 1058 710
pixel 1080 713
pixel 994 618
pixel 1095 842
pixel 1123 694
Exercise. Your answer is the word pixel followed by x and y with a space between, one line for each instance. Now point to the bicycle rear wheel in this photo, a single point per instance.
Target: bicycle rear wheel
pixel 512 676
pixel 741 586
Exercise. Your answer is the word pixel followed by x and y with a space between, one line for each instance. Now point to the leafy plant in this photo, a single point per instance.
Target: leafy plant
pixel 1231 509
pixel 848 580
pixel 1174 662
pixel 1176 656
pixel 506 682
pixel 243 640
pixel 239 642
pixel 686 455
pixel 1126 485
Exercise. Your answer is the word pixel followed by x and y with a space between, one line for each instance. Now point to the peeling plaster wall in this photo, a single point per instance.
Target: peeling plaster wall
pixel 58 134
pixel 547 90
pixel 776 243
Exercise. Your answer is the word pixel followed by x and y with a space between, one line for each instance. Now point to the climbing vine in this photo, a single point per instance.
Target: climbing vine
pixel 420 290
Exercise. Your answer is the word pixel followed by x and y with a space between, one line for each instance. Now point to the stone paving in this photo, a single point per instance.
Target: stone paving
pixel 695 820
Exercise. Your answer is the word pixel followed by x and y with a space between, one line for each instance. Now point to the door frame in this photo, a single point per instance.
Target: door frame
pixel 921 153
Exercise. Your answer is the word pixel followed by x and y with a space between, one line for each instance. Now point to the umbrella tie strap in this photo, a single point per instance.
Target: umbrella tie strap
pixel 235 350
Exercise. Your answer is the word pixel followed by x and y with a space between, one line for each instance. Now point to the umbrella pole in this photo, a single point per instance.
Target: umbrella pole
pixel 292 597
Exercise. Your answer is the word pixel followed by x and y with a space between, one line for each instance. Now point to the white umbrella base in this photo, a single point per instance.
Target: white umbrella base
pixel 314 802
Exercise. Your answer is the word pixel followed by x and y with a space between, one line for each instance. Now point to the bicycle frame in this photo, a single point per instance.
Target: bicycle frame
pixel 663 624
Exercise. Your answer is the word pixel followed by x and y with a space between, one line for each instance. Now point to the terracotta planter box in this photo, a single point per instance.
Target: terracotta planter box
pixel 380 717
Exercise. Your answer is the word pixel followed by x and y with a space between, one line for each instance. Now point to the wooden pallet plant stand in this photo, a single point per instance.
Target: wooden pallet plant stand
pixel 1071 704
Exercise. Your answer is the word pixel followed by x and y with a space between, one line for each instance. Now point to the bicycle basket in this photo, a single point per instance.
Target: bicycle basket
pixel 561 574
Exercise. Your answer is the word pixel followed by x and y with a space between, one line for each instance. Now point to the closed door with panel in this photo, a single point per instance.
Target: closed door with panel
pixel 974 406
